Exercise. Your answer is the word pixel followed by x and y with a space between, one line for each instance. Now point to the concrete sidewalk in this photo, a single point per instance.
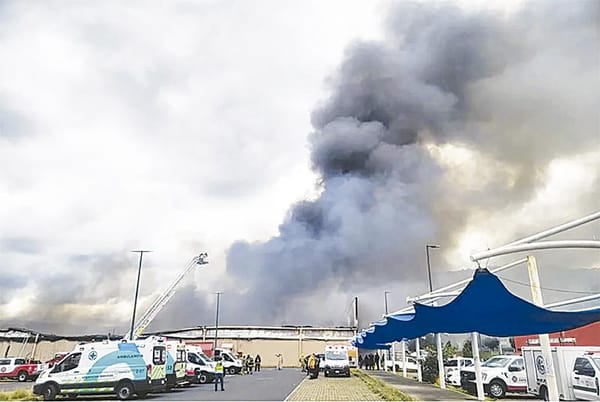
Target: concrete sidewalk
pixel 418 390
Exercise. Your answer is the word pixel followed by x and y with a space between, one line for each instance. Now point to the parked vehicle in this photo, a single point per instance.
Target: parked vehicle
pixel 97 368
pixel 576 369
pixel 231 364
pixel 176 362
pixel 18 368
pixel 411 364
pixel 500 374
pixel 452 369
pixel 336 361
pixel 154 351
pixel 200 369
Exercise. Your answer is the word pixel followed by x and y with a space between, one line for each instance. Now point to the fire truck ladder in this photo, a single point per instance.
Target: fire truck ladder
pixel 165 296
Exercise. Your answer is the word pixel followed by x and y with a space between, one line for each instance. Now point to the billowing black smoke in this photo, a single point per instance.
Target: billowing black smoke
pixel 516 91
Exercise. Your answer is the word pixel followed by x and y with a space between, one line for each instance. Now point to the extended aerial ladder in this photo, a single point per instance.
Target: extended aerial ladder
pixel 165 296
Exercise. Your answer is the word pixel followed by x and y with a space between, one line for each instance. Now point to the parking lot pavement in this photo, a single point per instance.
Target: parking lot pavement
pixel 333 389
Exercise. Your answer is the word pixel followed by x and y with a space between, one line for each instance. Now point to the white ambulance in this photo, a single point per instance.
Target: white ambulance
pixel 336 361
pixel 97 368
pixel 231 364
pixel 176 363
pixel 500 374
pixel 154 351
pixel 576 369
pixel 199 368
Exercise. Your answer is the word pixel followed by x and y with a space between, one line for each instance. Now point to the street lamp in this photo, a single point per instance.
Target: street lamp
pixel 386 303
pixel 427 247
pixel 216 322
pixel 137 288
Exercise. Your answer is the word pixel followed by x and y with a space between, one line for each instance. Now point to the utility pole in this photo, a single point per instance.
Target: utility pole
pixel 216 322
pixel 137 289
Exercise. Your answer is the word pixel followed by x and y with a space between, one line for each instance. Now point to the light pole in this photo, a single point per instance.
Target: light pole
pixel 385 299
pixel 438 337
pixel 393 351
pixel 427 247
pixel 216 323
pixel 137 289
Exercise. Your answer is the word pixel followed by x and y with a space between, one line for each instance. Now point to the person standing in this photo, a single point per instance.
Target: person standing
pixel 377 361
pixel 219 373
pixel 360 361
pixel 279 361
pixel 257 363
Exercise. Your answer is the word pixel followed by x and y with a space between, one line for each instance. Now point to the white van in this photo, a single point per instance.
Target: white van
pixel 200 369
pixel 175 368
pixel 154 351
pixel 231 364
pixel 97 368
pixel 336 361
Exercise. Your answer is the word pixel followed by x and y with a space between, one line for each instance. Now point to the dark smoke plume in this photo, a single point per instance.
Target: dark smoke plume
pixel 516 91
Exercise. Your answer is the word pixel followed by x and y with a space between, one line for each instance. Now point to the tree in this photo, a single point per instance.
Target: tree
pixel 430 364
pixel 467 350
pixel 491 343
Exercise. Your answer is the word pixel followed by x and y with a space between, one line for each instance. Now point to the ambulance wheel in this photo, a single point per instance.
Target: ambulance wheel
pixel 231 370
pixel 202 378
pixel 124 391
pixel 544 394
pixel 22 377
pixel 497 389
pixel 50 392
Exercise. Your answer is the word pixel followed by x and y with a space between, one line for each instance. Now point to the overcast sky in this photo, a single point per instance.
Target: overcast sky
pixel 186 126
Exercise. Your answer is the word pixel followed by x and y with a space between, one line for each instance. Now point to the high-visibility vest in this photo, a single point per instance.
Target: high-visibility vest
pixel 219 367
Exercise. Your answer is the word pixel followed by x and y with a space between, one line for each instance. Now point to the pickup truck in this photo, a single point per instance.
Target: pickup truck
pixel 500 374
pixel 17 368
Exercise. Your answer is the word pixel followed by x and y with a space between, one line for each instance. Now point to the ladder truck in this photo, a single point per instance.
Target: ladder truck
pixel 165 296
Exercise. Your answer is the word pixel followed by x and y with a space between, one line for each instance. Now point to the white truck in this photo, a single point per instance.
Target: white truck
pixel 336 361
pixel 576 369
pixel 500 374
pixel 97 368
pixel 411 363
pixel 452 369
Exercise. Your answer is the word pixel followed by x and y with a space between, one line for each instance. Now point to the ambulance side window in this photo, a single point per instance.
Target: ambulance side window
pixel 159 355
pixel 19 361
pixel 226 356
pixel 69 363
pixel 4 362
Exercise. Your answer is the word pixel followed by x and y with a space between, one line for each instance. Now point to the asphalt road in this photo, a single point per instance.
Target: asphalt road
pixel 266 385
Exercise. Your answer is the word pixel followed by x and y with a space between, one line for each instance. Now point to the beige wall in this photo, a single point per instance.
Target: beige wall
pixel 44 351
pixel 267 348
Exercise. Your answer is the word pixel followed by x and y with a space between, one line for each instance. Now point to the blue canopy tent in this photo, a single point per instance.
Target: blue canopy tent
pixel 484 306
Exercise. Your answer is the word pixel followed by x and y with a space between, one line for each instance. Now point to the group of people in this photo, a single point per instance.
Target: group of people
pixel 250 364
pixel 371 361
pixel 310 365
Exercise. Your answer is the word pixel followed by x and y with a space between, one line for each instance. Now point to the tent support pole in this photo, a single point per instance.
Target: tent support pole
pixel 440 359
pixel 394 357
pixel 404 359
pixel 478 379
pixel 419 373
pixel 536 293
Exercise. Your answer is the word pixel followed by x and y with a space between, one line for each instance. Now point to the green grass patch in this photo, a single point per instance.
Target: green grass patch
pixel 378 387
pixel 19 395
